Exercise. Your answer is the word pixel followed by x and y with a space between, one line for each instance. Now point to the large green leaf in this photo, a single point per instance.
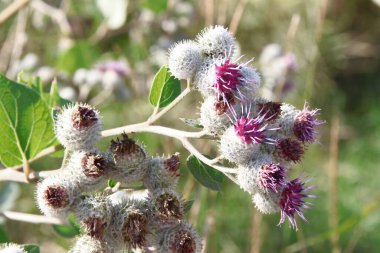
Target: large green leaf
pixel 165 88
pixel 25 122
pixel 204 174
pixel 31 248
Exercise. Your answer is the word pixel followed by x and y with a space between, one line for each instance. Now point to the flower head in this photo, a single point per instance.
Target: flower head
pixel 135 229
pixel 78 127
pixel 292 201
pixel 272 177
pixel 216 41
pixel 305 123
pixel 184 59
pixel 270 110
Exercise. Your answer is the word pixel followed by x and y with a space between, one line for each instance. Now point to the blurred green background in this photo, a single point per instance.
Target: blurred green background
pixel 337 46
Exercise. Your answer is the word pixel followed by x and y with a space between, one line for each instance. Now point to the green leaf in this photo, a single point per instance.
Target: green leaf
pixel 25 122
pixel 112 183
pixel 204 174
pixel 156 5
pixel 192 122
pixel 187 206
pixel 31 248
pixel 165 88
pixel 3 235
pixel 81 55
pixel 55 99
pixel 68 231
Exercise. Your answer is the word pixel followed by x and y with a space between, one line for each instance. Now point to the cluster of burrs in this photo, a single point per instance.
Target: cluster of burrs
pixel 262 138
pixel 115 220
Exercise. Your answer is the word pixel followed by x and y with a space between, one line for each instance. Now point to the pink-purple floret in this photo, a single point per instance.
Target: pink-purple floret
pixel 228 77
pixel 272 177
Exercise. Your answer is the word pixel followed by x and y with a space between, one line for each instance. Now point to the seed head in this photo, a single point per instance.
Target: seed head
pixel 135 229
pixel 94 215
pixel 291 150
pixel 162 173
pixel 305 123
pixel 181 239
pixel 184 59
pixel 216 41
pixel 292 201
pixel 78 127
pixel 88 169
pixel 55 195
pixel 167 204
pixel 130 159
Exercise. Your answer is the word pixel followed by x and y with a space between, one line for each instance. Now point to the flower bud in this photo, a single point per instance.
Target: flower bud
pixel 215 41
pixel 162 173
pixel 78 127
pixel 184 59
pixel 56 195
pixel 305 123
pixel 290 150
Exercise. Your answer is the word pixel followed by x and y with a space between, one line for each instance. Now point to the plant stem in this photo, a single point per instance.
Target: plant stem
pixel 31 218
pixel 12 9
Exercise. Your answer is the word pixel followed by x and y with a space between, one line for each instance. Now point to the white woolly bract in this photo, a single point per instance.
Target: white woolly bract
pixel 74 171
pixel 267 202
pixel 248 175
pixel 157 176
pixel 71 137
pixel 86 244
pixel 203 80
pixel 93 207
pixel 212 122
pixel 216 41
pixel 250 82
pixel 11 248
pixel 184 59
pixel 286 121
pixel 120 212
pixel 234 149
pixel 70 187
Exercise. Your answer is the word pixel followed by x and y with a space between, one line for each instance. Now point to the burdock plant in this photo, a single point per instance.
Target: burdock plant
pixel 261 140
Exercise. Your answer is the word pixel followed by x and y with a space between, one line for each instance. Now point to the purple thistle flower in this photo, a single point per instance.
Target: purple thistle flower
pixel 305 123
pixel 292 201
pixel 272 177
pixel 227 77
pixel 290 150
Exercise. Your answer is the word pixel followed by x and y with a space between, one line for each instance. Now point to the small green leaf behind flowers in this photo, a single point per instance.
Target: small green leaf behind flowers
pixel 70 230
pixel 31 248
pixel 165 88
pixel 204 174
